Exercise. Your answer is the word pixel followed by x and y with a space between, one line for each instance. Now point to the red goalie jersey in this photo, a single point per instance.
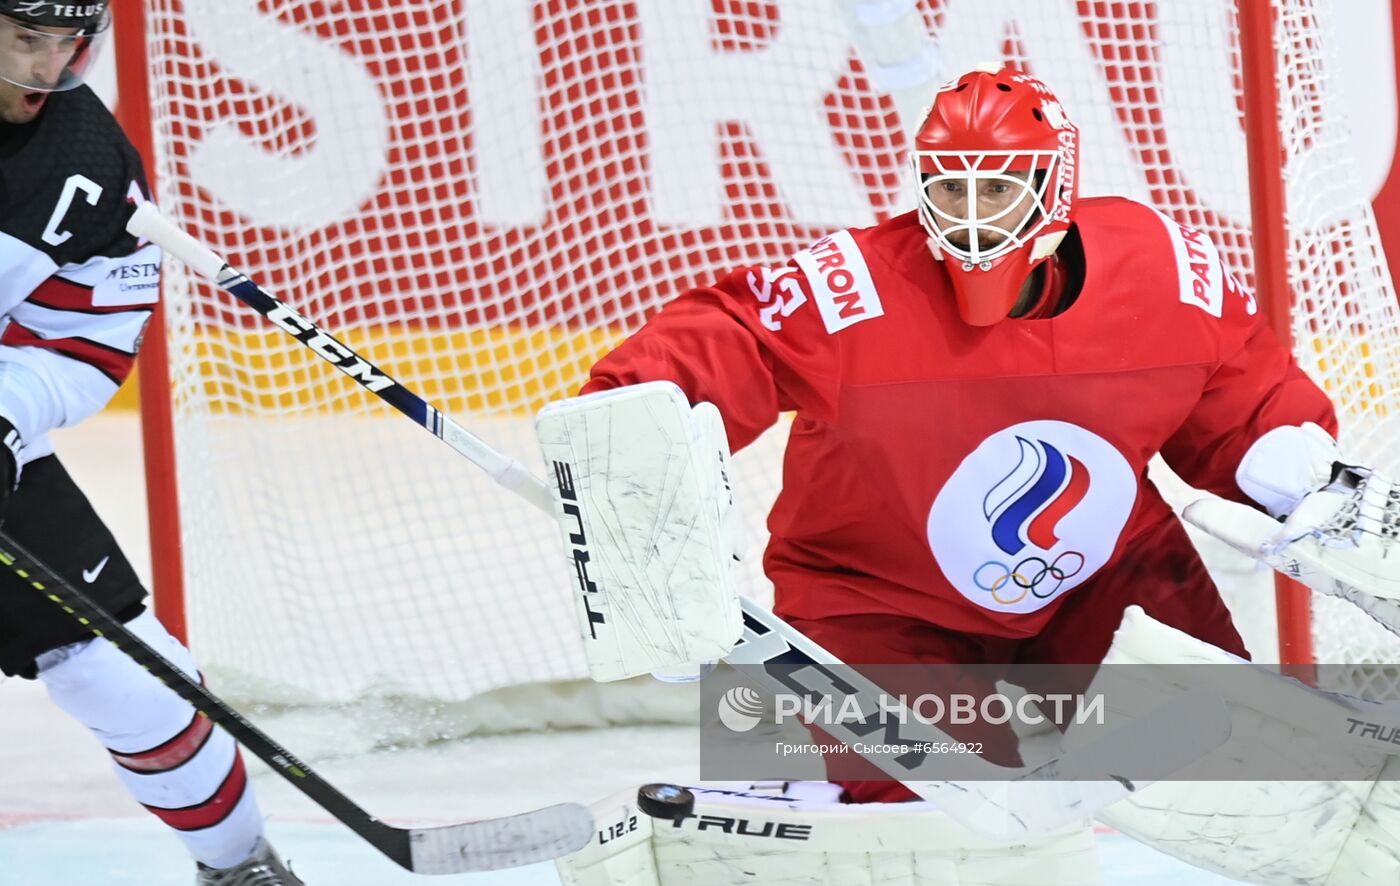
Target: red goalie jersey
pixel 977 478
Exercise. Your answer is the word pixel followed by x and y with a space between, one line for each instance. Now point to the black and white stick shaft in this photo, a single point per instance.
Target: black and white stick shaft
pixel 149 224
pixel 484 845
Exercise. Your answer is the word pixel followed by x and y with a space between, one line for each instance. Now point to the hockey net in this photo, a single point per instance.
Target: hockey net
pixel 484 196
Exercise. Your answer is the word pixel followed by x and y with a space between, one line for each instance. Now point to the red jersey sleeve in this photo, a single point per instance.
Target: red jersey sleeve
pixel 753 344
pixel 1257 386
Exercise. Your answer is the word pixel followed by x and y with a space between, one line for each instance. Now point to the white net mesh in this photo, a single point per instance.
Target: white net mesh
pixel 1346 321
pixel 483 196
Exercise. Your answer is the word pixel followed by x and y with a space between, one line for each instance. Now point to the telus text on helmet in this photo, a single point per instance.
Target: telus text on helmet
pixel 62 10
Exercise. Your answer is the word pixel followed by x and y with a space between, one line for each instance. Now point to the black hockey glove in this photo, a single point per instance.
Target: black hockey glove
pixel 10 466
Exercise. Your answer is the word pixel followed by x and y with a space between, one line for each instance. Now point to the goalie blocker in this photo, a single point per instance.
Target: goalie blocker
pixel 641 489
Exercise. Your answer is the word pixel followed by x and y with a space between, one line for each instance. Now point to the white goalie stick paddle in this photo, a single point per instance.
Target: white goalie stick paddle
pixel 1024 803
pixel 1002 802
pixel 486 845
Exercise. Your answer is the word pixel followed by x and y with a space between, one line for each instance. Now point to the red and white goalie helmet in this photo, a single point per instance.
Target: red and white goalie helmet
pixel 1000 135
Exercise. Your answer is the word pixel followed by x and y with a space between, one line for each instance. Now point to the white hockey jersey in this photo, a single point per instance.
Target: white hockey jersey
pixel 76 291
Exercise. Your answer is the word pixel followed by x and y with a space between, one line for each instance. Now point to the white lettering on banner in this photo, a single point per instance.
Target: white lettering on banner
pixel 957 708
pixel 328 178
pixel 1191 66
pixel 692 89
pixel 778 289
pixel 840 281
pixel 509 184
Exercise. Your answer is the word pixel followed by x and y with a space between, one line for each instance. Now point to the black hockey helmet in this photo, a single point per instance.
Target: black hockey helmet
pixel 48 46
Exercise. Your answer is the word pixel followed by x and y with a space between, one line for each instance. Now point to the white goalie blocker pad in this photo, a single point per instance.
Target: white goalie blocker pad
pixel 1341 535
pixel 1304 830
pixel 798 835
pixel 641 482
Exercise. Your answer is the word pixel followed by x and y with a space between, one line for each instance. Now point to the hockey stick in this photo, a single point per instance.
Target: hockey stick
pixel 485 845
pixel 147 223
pixel 1008 803
pixel 1040 805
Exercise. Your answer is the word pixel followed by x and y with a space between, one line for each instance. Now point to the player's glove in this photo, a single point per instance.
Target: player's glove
pixel 11 464
pixel 1340 529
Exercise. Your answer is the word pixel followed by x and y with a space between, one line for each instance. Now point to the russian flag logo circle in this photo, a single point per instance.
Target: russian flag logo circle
pixel 1031 513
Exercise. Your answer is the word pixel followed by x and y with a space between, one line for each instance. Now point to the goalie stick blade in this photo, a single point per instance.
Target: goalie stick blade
pixel 510 841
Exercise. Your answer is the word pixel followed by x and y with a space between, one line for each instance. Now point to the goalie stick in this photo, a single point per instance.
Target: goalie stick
pixel 999 801
pixel 1040 804
pixel 486 845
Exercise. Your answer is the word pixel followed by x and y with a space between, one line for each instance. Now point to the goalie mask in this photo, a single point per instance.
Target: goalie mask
pixel 50 46
pixel 996 163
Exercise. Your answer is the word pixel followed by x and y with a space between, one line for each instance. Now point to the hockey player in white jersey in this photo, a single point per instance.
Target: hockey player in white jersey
pixel 76 292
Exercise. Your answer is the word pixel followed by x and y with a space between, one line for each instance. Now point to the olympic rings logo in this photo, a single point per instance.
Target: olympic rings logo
pixel 1031 575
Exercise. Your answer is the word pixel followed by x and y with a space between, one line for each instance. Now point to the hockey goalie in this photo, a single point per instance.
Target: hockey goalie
pixel 978 386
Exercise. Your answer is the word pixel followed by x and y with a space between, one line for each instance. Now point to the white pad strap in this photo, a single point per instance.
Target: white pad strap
pixel 642 490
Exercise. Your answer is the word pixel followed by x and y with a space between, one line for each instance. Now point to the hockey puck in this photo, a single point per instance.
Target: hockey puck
pixel 668 801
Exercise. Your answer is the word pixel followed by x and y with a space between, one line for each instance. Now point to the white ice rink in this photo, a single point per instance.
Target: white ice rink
pixel 64 821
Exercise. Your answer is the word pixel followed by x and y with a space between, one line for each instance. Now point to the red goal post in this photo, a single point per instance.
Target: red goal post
pixel 1259 64
pixel 484 197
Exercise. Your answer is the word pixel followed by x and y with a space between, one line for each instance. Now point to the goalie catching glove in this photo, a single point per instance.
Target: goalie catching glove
pixel 640 481
pixel 1340 529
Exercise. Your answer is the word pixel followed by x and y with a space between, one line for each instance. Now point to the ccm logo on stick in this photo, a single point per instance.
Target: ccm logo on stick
pixel 578 542
pixel 346 359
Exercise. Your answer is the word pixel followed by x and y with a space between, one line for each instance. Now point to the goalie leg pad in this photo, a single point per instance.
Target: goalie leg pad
pixel 741 837
pixel 1308 829
pixel 641 484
